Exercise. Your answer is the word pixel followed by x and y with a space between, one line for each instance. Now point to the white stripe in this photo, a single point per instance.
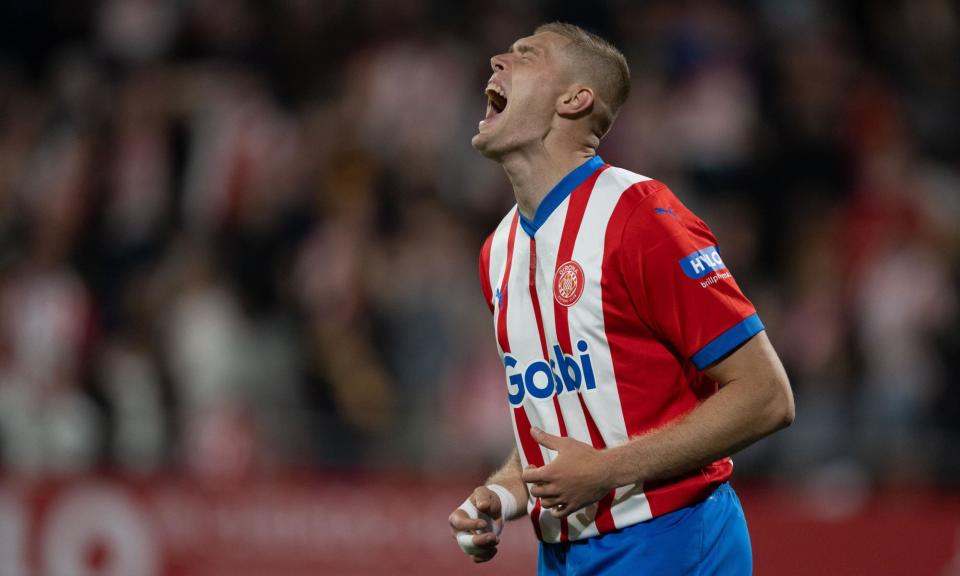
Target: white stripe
pixel 548 241
pixel 586 323
pixel 522 328
pixel 519 314
pixel 548 244
pixel 525 347
pixel 498 265
pixel 497 268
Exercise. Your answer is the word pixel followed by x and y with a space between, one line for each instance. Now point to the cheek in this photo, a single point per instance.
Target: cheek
pixel 536 105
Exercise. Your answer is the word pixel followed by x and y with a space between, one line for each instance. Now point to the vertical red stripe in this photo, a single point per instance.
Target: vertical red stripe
pixel 502 338
pixel 571 229
pixel 530 448
pixel 485 272
pixel 624 327
pixel 535 301
pixel 531 451
pixel 568 238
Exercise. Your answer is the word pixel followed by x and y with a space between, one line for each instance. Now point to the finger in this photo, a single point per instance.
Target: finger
pixel 466 541
pixel 482 500
pixel 562 510
pixel 549 502
pixel 460 522
pixel 534 474
pixel 544 490
pixel 484 556
pixel 546 440
pixel 486 540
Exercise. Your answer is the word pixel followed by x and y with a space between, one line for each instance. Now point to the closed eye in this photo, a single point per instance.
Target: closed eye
pixel 523 50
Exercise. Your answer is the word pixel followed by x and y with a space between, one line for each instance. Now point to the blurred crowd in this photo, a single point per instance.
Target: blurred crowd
pixel 241 237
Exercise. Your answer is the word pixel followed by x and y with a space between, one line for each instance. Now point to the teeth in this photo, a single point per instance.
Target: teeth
pixel 496 89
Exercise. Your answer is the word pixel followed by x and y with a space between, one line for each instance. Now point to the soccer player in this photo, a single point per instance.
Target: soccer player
pixel 634 365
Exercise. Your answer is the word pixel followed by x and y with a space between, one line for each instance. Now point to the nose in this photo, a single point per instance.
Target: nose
pixel 498 62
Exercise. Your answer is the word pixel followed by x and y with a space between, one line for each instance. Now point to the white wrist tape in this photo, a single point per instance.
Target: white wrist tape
pixel 465 539
pixel 508 507
pixel 508 504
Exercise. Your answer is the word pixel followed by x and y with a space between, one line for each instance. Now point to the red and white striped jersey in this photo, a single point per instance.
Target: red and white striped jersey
pixel 606 307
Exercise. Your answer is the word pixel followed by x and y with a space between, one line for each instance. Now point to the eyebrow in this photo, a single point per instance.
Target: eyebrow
pixel 521 48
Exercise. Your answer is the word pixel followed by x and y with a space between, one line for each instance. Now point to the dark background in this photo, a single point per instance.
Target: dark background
pixel 239 238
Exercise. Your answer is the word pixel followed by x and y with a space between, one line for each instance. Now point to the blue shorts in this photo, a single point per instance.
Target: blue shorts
pixel 708 538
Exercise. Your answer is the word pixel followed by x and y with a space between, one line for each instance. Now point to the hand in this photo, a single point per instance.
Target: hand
pixel 577 477
pixel 487 502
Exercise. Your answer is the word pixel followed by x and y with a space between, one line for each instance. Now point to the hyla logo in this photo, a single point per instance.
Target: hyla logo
pixel 698 264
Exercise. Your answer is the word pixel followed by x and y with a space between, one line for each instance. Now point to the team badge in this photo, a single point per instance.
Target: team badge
pixel 568 283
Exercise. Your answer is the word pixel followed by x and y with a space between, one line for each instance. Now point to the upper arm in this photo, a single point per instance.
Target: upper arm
pixel 754 360
pixel 757 369
pixel 680 285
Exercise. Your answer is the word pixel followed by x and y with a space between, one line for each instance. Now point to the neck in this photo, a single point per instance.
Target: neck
pixel 533 173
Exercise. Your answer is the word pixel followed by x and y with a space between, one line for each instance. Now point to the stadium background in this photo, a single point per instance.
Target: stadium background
pixel 240 324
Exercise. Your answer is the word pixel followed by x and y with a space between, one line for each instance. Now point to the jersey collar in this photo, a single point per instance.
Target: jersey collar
pixel 558 194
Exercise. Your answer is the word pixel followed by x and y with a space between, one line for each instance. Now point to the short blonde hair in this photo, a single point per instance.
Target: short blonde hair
pixel 601 65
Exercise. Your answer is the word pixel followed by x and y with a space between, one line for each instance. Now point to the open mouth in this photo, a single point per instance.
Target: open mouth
pixel 496 101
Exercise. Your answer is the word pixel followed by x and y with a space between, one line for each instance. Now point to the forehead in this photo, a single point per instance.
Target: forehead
pixel 542 41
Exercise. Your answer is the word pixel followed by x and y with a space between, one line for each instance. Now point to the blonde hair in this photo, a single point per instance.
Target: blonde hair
pixel 601 65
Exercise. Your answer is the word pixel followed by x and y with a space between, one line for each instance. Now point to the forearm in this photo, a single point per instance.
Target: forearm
pixel 509 476
pixel 722 425
pixel 747 407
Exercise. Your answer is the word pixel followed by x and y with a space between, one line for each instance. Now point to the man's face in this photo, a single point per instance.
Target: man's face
pixel 522 94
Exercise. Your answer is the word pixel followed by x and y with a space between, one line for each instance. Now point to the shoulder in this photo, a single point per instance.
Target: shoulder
pixel 625 183
pixel 642 203
pixel 506 221
pixel 651 213
pixel 493 253
pixel 629 190
pixel 500 235
pixel 650 217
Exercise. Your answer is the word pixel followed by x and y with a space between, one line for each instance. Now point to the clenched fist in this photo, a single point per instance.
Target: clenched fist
pixel 484 537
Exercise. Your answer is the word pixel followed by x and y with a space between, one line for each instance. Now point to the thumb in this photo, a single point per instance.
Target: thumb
pixel 483 501
pixel 487 502
pixel 546 440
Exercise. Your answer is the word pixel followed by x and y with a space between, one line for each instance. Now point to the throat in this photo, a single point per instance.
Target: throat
pixel 534 176
pixel 529 187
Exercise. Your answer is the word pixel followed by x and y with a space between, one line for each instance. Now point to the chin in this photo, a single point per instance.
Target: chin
pixel 481 143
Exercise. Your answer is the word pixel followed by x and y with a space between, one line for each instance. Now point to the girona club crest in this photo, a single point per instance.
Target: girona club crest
pixel 568 283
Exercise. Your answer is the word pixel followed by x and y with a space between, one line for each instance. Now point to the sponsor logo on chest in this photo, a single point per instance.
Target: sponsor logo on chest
pixel 540 379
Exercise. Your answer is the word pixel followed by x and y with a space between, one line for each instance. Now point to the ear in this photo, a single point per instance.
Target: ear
pixel 575 102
